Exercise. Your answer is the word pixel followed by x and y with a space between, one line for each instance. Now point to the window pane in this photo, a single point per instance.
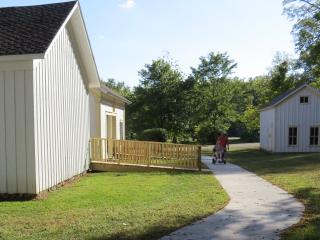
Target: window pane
pixel 301 99
pixel 293 136
pixel 304 99
pixel 314 136
pixel 311 141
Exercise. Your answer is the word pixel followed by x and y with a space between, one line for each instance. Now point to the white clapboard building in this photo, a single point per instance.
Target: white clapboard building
pixel 51 100
pixel 291 122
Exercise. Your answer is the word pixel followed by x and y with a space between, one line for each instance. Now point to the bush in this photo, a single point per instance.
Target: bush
pixel 154 134
pixel 207 135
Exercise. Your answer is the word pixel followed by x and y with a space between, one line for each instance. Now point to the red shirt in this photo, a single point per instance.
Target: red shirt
pixel 224 141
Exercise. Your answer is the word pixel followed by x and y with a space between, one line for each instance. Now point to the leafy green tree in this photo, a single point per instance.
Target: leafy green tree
pixel 306 14
pixel 248 96
pixel 119 87
pixel 259 91
pixel 279 81
pixel 282 75
pixel 159 99
pixel 208 101
pixel 212 105
pixel 250 118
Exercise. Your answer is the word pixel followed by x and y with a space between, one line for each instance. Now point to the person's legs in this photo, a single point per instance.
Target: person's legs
pixel 214 158
pixel 224 155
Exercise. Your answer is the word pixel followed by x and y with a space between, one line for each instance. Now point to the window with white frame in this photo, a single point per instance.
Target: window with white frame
pixel 304 99
pixel 293 136
pixel 314 136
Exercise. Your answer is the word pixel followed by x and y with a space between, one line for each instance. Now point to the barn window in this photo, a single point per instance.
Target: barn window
pixel 293 136
pixel 304 99
pixel 314 136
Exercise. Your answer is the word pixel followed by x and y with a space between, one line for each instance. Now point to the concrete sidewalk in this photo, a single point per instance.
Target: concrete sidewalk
pixel 257 209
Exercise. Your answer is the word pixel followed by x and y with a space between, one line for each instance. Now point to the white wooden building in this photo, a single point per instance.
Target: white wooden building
pixel 291 122
pixel 51 101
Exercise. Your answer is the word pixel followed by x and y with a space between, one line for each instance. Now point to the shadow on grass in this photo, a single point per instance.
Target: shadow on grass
pixel 151 233
pixel 17 198
pixel 309 227
pixel 156 173
pixel 267 163
pixel 250 227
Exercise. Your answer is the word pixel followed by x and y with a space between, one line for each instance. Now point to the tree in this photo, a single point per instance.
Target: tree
pixel 250 118
pixel 159 99
pixel 306 30
pixel 119 87
pixel 212 105
pixel 259 91
pixel 284 74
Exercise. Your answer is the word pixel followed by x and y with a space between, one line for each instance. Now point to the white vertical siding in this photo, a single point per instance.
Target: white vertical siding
pixel 20 131
pixel 267 128
pixel 3 161
pixel 62 121
pixel 17 168
pixel 10 119
pixel 30 138
pixel 94 121
pixel 303 116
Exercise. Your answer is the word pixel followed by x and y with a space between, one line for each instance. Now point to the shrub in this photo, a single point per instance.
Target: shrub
pixel 207 135
pixel 154 134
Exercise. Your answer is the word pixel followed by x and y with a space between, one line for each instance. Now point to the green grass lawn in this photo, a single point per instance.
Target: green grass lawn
pixel 115 206
pixel 299 174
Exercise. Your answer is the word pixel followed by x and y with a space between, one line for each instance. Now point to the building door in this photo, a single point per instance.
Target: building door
pixel 111 127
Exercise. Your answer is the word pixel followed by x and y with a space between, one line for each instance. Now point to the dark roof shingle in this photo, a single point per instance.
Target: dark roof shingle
pixel 31 29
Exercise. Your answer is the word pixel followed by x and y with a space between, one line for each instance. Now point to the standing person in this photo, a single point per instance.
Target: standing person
pixel 224 140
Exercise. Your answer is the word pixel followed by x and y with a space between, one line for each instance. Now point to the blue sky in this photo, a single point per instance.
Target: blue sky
pixel 127 34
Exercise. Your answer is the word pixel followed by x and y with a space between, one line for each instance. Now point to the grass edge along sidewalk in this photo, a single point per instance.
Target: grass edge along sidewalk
pixel 297 173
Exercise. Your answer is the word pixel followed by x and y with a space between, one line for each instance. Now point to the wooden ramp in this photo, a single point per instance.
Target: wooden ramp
pixel 116 154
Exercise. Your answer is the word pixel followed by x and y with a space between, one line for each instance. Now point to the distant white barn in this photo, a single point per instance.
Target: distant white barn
pixel 291 122
pixel 51 101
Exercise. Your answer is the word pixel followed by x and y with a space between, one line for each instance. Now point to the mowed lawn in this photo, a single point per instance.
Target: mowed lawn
pixel 298 173
pixel 115 206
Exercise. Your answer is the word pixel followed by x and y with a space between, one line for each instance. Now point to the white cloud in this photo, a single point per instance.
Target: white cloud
pixel 128 4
